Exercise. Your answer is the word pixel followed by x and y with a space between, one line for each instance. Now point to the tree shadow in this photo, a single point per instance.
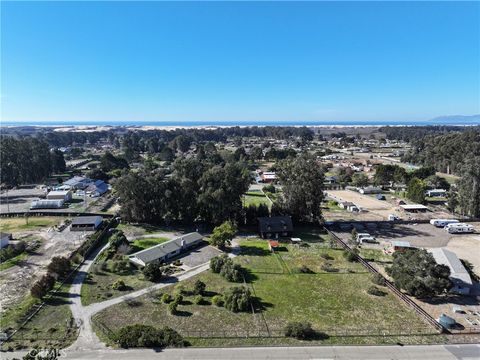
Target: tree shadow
pixel 259 305
pixel 133 303
pixel 183 313
pixel 253 251
pixel 249 276
pixel 208 293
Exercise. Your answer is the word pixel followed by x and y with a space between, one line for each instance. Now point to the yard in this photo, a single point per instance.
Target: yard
pixel 18 224
pixel 336 303
pixel 255 197
pixel 53 326
pixel 146 242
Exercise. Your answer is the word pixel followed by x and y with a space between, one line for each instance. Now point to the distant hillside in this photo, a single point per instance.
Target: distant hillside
pixel 457 119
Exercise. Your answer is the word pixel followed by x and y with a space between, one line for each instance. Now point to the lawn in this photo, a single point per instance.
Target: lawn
pixel 145 243
pixel 331 302
pixel 52 326
pixel 136 230
pixel 98 284
pixel 33 223
pixel 255 198
pixel 13 261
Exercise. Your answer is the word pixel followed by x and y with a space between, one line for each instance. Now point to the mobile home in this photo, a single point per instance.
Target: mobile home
pixel 459 228
pixel 443 222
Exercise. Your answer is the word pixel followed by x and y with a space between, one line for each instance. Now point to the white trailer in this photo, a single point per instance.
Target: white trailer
pixel 460 228
pixel 443 222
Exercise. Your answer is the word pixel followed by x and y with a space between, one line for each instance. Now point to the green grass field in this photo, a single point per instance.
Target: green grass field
pixel 331 302
pixel 14 225
pixel 145 243
pixel 52 326
pixel 255 198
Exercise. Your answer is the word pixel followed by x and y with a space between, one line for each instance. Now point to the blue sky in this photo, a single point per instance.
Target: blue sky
pixel 239 61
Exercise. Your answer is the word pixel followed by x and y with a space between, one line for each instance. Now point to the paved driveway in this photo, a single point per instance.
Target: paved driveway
pixel 198 256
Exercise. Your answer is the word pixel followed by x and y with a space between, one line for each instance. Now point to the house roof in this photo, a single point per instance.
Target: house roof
pixel 275 224
pixel 76 180
pixel 401 244
pixel 86 220
pixel 413 207
pixel 458 273
pixel 158 251
pixel 59 192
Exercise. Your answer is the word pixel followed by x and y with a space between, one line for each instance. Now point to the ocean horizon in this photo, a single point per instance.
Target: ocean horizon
pixel 307 123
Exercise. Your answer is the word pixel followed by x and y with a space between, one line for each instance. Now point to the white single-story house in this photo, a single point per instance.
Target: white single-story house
pixel 5 239
pixel 462 282
pixel 65 195
pixel 167 250
pixel 47 204
pixel 268 177
pixel 86 223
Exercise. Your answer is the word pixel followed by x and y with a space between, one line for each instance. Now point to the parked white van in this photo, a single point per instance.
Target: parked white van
pixel 443 222
pixel 365 237
pixel 459 228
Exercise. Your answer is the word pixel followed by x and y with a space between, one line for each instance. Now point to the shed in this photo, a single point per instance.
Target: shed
pixel 400 245
pixel 275 226
pixel 414 208
pixel 167 250
pixel 273 245
pixel 65 195
pixel 5 239
pixel 98 188
pixel 462 282
pixel 78 182
pixel 436 193
pixel 86 223
pixel 46 204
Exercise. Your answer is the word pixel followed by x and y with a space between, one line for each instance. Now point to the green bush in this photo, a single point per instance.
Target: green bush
pixel 378 279
pixel 304 269
pixel 198 300
pixel 179 290
pixel 232 272
pixel 166 298
pixel 217 263
pixel 217 300
pixel 373 290
pixel 121 266
pixel 351 256
pixel 147 336
pixel 172 307
pixel 119 285
pixel 178 298
pixel 237 298
pixel 298 330
pixel 199 287
pixel 152 271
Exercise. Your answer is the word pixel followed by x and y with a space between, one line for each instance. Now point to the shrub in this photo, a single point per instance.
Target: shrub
pixel 172 307
pixel 177 263
pixel 178 298
pixel 199 287
pixel 166 298
pixel 59 265
pixel 237 298
pixel 217 300
pixel 378 279
pixel 269 188
pixel 147 336
pixel 217 263
pixel 304 269
pixel 298 330
pixel 152 271
pixel 373 290
pixel 198 300
pixel 38 291
pixel 329 268
pixel 121 266
pixel 119 285
pixel 351 256
pixel 179 290
pixel 232 272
